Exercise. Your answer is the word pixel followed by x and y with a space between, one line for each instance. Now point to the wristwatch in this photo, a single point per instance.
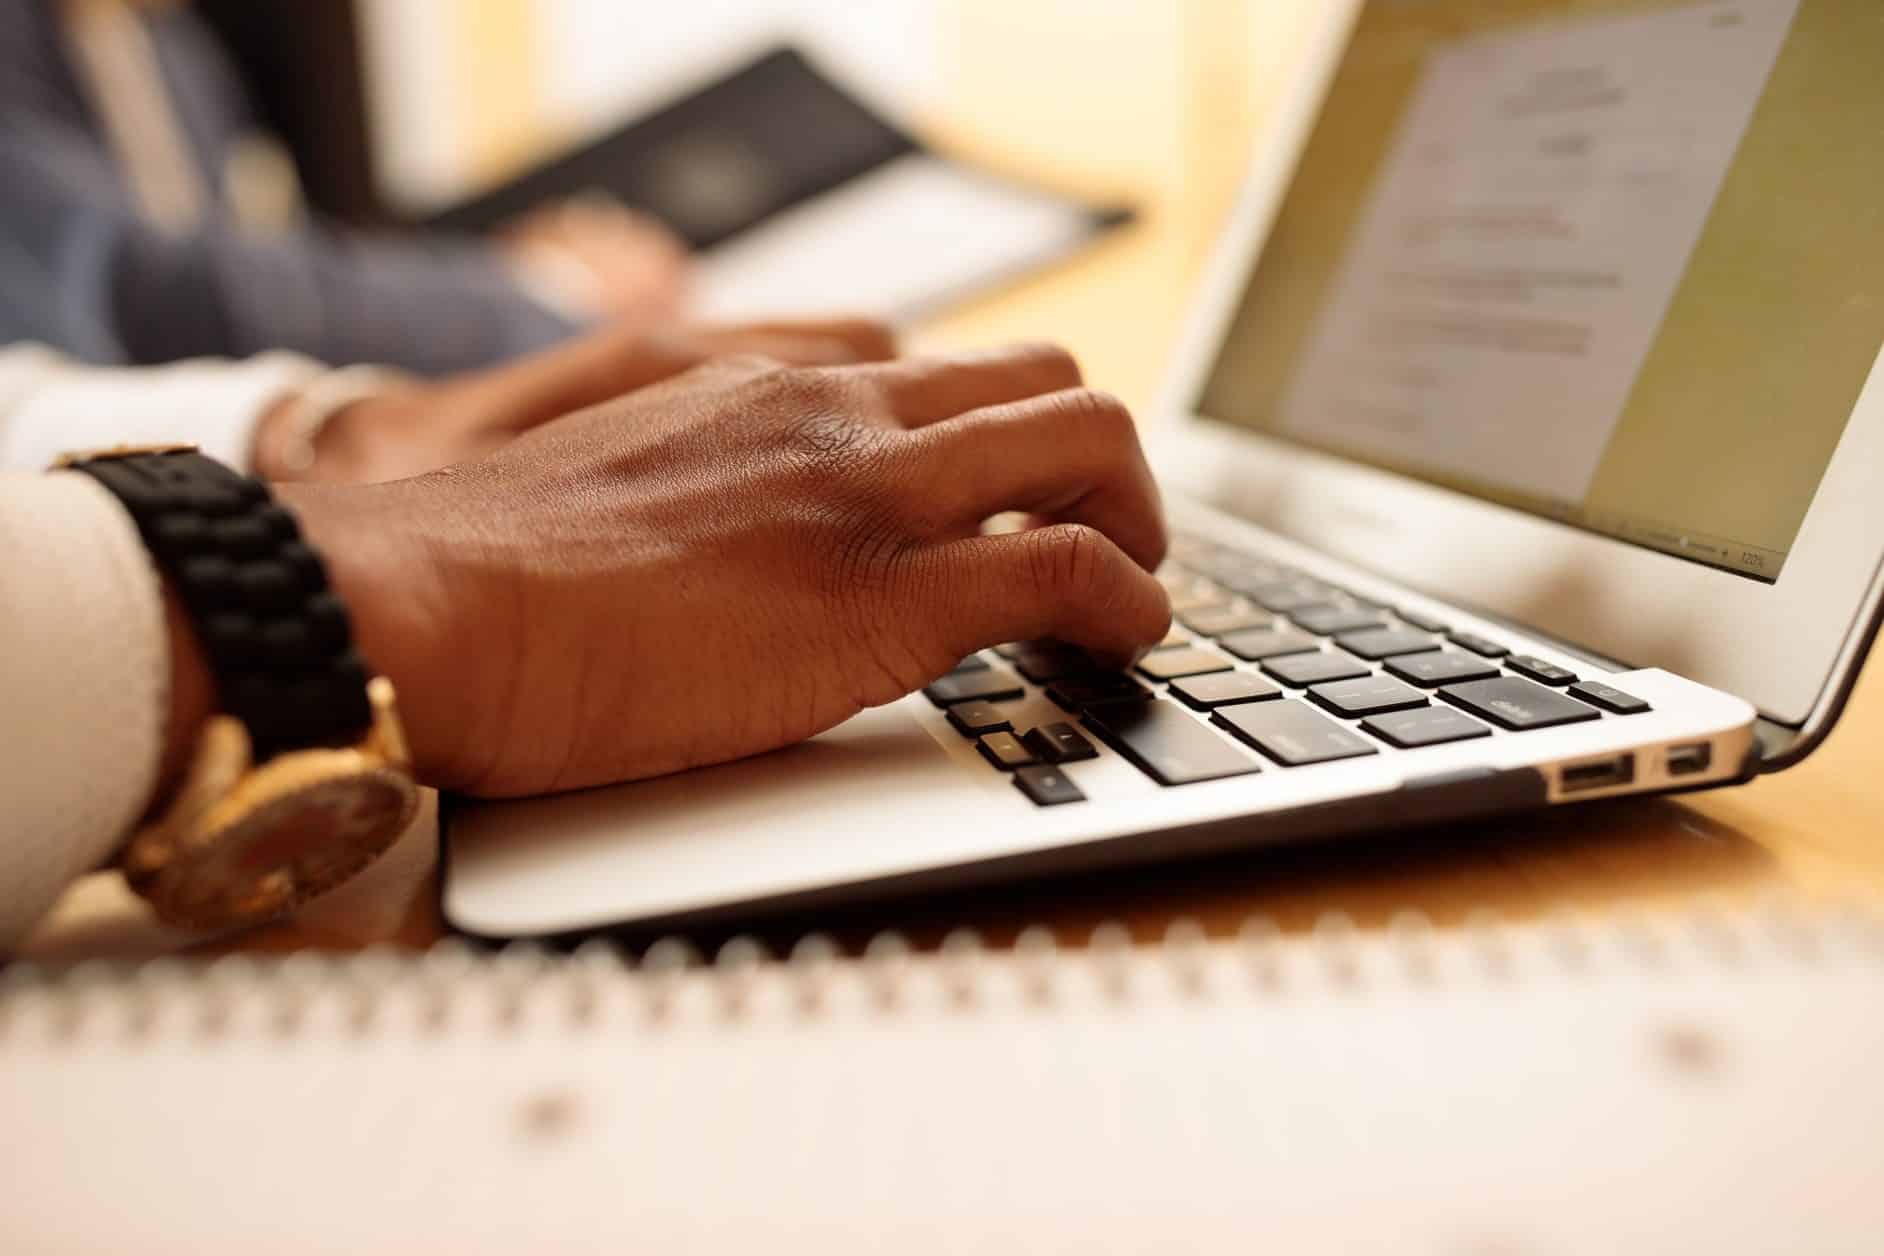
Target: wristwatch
pixel 304 777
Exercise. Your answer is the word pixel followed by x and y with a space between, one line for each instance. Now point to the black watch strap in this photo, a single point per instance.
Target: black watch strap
pixel 279 644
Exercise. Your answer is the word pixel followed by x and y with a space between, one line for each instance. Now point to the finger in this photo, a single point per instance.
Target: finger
pixel 620 359
pixel 1070 456
pixel 921 391
pixel 576 374
pixel 1068 582
pixel 797 346
pixel 865 339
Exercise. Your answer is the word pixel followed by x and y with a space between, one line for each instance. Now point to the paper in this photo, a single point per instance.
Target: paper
pixel 901 239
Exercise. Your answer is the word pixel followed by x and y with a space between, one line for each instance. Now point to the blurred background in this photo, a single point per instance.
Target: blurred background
pixel 397 108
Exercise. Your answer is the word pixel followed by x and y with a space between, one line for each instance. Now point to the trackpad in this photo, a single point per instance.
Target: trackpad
pixel 810 815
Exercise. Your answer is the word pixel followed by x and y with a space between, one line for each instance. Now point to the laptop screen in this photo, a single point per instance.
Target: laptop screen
pixel 1619 263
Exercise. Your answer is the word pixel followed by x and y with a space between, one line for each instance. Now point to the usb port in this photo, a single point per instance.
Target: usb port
pixel 1687 760
pixel 1597 774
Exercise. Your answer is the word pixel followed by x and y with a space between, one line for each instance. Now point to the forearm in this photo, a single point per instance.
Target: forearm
pixel 398 302
pixel 50 405
pixel 84 670
pixel 91 277
pixel 107 688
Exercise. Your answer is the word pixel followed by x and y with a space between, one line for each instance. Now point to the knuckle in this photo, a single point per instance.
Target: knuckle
pixel 1051 359
pixel 1101 413
pixel 820 440
pixel 847 481
pixel 792 390
pixel 1070 558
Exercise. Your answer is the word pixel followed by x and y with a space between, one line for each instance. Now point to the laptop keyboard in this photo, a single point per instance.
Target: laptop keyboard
pixel 1261 658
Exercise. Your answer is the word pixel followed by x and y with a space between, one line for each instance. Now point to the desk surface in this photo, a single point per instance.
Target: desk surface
pixel 1816 830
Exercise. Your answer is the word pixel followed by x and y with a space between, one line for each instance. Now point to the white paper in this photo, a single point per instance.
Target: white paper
pixel 890 243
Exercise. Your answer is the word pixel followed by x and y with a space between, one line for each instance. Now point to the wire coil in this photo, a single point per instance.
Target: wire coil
pixel 522 988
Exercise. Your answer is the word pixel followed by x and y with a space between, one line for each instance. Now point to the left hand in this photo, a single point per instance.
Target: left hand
pixel 439 424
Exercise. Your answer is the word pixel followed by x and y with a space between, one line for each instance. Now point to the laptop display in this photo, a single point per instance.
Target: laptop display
pixel 1619 263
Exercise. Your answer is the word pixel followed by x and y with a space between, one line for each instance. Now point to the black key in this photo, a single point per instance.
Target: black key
pixel 1292 734
pixel 1168 745
pixel 1441 667
pixel 973 663
pixel 1045 664
pixel 1267 643
pixel 1479 645
pixel 1290 596
pixel 1427 726
pixel 1384 643
pixel 1214 621
pixel 1168 664
pixel 1328 620
pixel 1078 693
pixel 1367 695
pixel 1058 743
pixel 972 719
pixel 1609 697
pixel 1005 751
pixel 1204 693
pixel 1048 787
pixel 1420 620
pixel 1315 669
pixel 994 684
pixel 1544 673
pixel 1517 704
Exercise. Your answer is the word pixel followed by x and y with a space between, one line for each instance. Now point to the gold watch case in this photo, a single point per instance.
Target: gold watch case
pixel 244 843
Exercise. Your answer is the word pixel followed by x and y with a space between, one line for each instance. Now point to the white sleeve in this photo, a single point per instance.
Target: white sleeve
pixel 84 686
pixel 50 405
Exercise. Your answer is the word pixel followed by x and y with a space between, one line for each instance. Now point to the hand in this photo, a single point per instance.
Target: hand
pixel 407 432
pixel 606 260
pixel 740 558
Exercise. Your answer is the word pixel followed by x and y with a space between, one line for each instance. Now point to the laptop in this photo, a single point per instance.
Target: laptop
pixel 1523 451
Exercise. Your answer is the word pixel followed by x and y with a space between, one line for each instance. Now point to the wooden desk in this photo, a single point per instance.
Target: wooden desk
pixel 1818 829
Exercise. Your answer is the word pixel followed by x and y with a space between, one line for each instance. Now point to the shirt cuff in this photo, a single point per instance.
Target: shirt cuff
pixel 214 405
pixel 85 667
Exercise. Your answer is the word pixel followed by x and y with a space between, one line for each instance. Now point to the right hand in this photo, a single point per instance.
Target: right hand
pixel 740 558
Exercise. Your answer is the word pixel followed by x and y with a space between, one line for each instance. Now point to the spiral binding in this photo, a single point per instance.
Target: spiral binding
pixel 427 993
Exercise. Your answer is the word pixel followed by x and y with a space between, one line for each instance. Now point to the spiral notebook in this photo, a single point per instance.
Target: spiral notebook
pixel 1692 1084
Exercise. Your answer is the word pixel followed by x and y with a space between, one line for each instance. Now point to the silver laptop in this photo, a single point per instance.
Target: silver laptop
pixel 1525 449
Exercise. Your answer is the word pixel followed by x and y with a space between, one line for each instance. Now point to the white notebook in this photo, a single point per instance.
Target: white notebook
pixel 1702 1085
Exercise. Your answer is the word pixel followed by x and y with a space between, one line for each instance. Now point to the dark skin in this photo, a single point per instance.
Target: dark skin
pixel 444 422
pixel 732 561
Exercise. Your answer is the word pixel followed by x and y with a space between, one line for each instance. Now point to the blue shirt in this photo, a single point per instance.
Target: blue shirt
pixel 82 269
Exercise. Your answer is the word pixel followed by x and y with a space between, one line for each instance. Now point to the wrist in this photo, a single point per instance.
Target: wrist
pixel 331 429
pixel 192 699
pixel 379 564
